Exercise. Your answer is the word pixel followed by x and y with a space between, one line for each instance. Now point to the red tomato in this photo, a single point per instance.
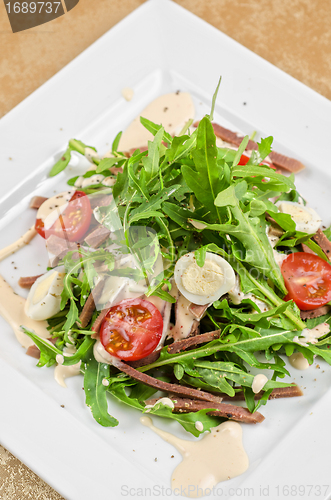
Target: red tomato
pixel 308 280
pixel 132 329
pixel 73 223
pixel 244 159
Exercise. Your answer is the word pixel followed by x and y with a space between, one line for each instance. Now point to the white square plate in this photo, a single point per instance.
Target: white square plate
pixel 157 49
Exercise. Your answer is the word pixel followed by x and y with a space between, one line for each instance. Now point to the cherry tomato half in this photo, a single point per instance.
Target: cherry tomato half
pixel 244 160
pixel 73 223
pixel 132 329
pixel 308 280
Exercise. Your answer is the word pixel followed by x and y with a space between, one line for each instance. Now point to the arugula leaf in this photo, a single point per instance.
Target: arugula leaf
pixel 250 172
pixel 240 151
pixel 108 216
pixel 107 163
pixel 251 232
pixel 140 183
pixel 327 233
pixel 142 392
pixel 62 163
pixel 121 187
pixel 205 182
pixel 264 148
pixel 72 268
pixel 257 286
pixel 154 129
pixel 116 141
pixel 154 203
pixel 151 162
pixel 214 99
pixel 72 316
pixel 48 351
pixel 216 374
pixel 187 420
pixel 317 249
pixel 248 318
pixel 96 392
pixel 178 214
pixel 285 221
pixel 180 149
pixel 79 146
pixel 243 348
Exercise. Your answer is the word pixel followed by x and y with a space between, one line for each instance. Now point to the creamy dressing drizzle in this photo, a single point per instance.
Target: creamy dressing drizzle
pixel 109 181
pixel 62 372
pixel 307 336
pixel 127 93
pixel 218 456
pixel 101 355
pixel 82 182
pixel 90 154
pixel 21 242
pixel 165 401
pixel 298 361
pixel 311 335
pixel 198 425
pixel 184 319
pixel 237 296
pixel 259 382
pixel 172 110
pixel 12 311
pixel 197 224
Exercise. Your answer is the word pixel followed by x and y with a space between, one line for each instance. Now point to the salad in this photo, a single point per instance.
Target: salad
pixel 191 267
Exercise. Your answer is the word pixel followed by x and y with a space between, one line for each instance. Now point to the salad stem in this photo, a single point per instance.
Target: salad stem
pixel 274 299
pixel 80 148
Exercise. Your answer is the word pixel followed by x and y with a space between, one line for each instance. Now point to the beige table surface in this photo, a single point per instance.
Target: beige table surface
pixel 294 35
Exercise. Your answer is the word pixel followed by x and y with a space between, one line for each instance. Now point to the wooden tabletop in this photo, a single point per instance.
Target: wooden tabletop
pixel 294 35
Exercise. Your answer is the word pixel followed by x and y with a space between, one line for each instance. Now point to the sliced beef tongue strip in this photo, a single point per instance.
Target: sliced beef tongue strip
pixel 37 201
pixel 178 346
pixel 89 306
pixel 315 313
pixel 28 281
pixel 292 391
pixel 182 345
pixel 97 323
pixel 285 162
pixel 165 386
pixel 33 351
pixel 186 324
pixel 323 242
pixel 307 249
pixel 279 160
pixel 100 200
pixel 197 310
pixel 226 410
pixel 59 247
pixel 96 237
pixel 195 328
pixel 151 358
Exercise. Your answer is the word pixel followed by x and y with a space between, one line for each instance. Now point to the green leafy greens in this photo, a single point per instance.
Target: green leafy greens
pixel 187 195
